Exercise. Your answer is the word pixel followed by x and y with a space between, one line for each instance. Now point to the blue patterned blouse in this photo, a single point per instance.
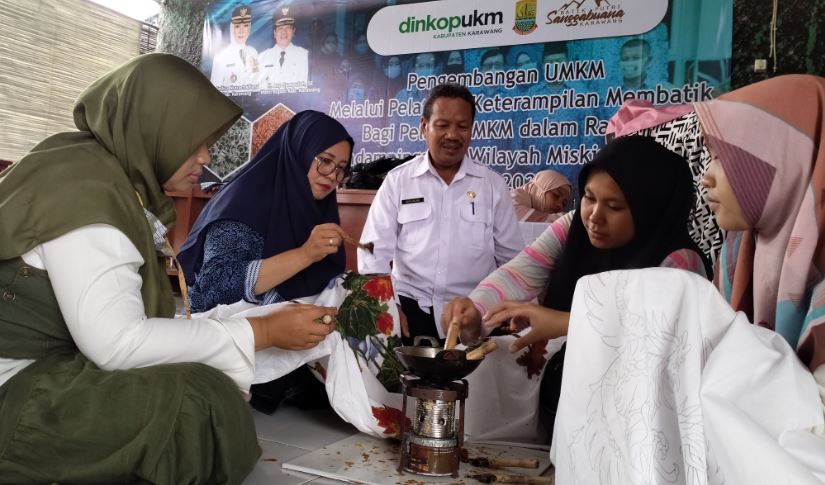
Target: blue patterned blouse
pixel 232 254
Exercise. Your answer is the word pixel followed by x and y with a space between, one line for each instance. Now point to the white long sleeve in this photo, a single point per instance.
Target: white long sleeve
pixel 94 274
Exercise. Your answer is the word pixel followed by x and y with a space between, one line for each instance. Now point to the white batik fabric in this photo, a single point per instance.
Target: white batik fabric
pixel 503 391
pixel 665 384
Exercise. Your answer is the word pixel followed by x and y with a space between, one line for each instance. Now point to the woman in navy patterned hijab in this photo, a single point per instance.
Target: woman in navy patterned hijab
pixel 272 233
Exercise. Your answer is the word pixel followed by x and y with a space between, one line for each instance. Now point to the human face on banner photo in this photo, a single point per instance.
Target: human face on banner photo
pixel 448 132
pixel 557 57
pixel 425 64
pixel 523 61
pixel 330 45
pixel 455 63
pixel 634 61
pixel 493 63
pixel 283 35
pixel 240 31
pixel 361 46
pixel 393 69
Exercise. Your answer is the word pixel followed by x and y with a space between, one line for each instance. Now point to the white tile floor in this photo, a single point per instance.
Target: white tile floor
pixel 290 433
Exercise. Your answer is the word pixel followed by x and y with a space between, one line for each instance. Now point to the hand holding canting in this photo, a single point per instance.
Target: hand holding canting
pixel 463 311
pixel 293 327
pixel 322 241
pixel 545 323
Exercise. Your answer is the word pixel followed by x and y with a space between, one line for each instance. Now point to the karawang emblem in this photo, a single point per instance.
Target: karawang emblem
pixel 525 17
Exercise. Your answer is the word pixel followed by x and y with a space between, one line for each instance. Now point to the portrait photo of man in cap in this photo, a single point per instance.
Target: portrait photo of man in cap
pixel 284 62
pixel 236 67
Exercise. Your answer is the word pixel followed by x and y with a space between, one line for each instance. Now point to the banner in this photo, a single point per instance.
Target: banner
pixel 546 74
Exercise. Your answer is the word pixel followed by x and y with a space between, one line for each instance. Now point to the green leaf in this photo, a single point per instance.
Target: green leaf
pixel 356 317
pixel 354 281
pixel 389 376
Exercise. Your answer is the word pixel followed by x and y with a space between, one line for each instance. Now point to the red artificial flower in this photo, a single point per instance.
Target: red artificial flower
pixel 533 358
pixel 390 419
pixel 384 323
pixel 379 287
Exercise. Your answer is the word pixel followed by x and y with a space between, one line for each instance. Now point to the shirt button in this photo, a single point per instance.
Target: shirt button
pixel 8 295
pixel 24 272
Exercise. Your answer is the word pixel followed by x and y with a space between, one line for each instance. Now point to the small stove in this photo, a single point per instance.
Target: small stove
pixel 432 447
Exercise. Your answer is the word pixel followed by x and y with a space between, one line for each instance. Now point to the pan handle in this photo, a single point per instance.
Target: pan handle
pixel 426 338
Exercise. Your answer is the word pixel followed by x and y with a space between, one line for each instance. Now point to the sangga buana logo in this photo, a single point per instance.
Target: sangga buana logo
pixel 525 17
pixel 586 12
pixel 475 19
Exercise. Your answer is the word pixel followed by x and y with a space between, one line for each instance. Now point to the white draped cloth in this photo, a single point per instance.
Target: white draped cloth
pixel 665 384
pixel 503 396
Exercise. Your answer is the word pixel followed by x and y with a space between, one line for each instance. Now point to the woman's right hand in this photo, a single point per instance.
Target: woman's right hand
pixel 463 311
pixel 323 241
pixel 293 327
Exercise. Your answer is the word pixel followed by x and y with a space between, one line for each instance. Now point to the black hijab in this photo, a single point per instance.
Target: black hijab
pixel 272 196
pixel 658 187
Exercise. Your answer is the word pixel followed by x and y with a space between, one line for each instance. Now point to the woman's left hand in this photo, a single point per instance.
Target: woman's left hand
pixel 546 323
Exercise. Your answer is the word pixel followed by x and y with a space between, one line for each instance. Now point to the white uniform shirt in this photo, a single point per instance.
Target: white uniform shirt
pixel 442 239
pixel 294 70
pixel 94 273
pixel 236 68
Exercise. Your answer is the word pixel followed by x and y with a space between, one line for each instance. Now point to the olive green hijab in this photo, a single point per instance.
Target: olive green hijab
pixel 138 124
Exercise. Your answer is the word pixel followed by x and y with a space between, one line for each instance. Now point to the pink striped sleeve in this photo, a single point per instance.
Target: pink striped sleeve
pixel 526 275
pixel 686 259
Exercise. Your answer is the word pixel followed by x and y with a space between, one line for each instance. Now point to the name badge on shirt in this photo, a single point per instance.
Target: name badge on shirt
pixel 412 201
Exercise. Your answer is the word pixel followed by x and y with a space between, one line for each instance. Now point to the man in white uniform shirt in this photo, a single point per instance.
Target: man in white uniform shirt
pixel 236 67
pixel 285 62
pixel 442 220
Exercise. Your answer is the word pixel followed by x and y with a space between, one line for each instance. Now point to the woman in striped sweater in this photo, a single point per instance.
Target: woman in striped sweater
pixel 636 200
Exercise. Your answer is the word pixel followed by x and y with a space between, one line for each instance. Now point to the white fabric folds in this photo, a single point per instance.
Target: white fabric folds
pixel 665 384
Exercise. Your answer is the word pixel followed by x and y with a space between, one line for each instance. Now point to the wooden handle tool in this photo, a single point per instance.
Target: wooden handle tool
pixel 351 240
pixel 482 350
pixel 485 462
pixel 452 336
pixel 500 478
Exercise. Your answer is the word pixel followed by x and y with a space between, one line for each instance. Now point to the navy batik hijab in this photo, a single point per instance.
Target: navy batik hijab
pixel 272 196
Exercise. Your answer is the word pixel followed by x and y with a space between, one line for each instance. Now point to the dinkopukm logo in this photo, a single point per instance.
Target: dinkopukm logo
pixel 452 23
pixel 525 21
pixel 584 13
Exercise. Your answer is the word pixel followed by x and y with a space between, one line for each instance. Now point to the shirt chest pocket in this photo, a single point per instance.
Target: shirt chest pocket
pixel 475 220
pixel 413 220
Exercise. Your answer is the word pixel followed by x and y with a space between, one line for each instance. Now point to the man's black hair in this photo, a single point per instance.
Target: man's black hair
pixel 448 90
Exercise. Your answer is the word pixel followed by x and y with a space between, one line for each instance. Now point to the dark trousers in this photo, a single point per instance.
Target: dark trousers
pixel 299 387
pixel 550 391
pixel 419 322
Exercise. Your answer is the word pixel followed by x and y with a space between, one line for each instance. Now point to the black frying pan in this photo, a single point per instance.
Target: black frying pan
pixel 421 361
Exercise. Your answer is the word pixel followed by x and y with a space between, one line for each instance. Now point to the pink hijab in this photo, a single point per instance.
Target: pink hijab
pixel 529 198
pixel 769 138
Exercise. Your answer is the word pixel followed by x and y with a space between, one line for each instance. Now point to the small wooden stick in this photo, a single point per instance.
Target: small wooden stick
pixel 452 336
pixel 482 350
pixel 499 478
pixel 485 462
pixel 350 240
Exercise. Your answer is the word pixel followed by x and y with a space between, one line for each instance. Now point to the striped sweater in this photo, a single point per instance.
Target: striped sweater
pixel 526 276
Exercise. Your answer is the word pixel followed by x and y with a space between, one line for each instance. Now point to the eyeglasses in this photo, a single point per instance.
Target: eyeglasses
pixel 325 166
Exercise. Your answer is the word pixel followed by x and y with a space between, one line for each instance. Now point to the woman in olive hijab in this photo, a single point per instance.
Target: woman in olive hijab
pixel 97 382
